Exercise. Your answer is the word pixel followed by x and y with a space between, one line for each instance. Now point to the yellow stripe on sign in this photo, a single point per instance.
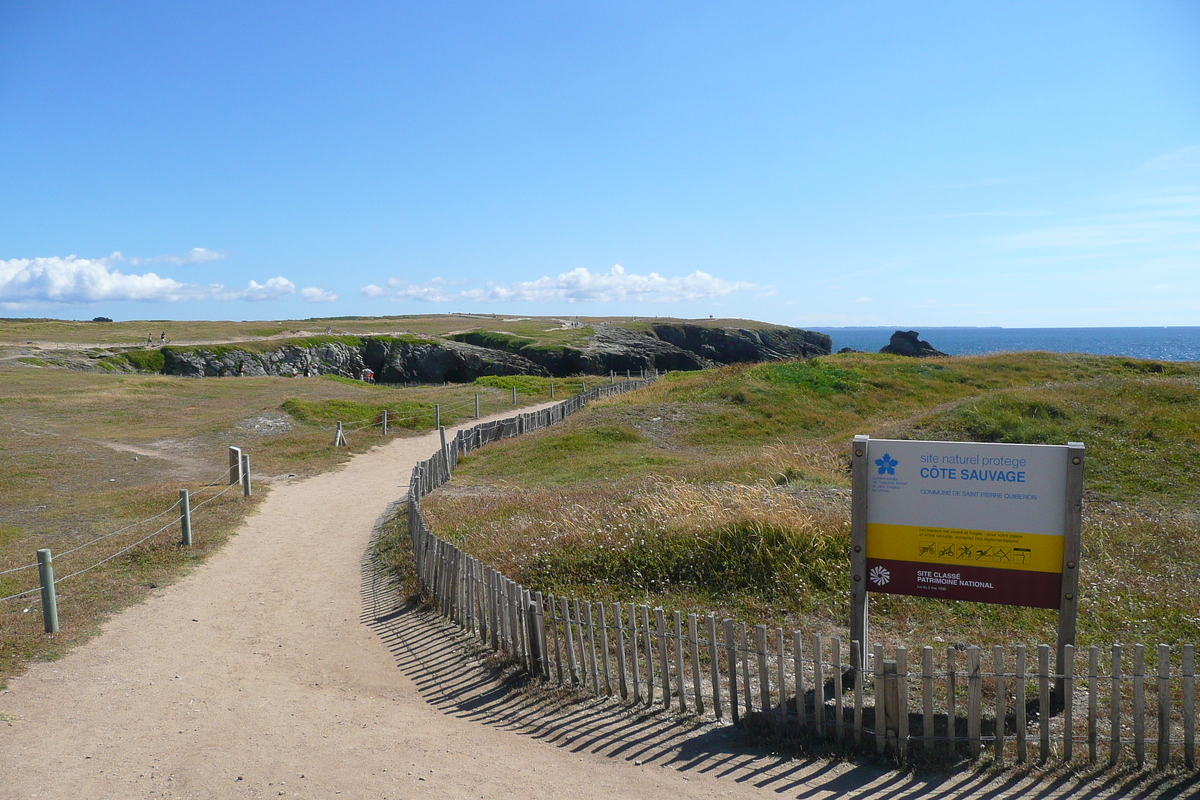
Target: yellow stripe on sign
pixel 1032 552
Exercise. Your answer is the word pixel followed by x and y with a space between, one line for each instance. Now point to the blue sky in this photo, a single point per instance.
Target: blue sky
pixel 910 164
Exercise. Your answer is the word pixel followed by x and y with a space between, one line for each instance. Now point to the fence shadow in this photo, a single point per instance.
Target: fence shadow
pixel 459 677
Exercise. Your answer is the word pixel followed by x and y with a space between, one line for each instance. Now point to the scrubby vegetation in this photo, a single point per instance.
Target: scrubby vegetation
pixel 728 490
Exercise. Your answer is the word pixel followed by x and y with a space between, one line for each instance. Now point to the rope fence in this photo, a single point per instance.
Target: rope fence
pixel 1108 705
pixel 237 476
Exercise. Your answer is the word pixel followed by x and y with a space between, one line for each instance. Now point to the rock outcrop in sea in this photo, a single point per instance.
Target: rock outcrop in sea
pixel 909 343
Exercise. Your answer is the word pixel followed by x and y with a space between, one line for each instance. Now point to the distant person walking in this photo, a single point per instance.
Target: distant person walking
pixel 368 375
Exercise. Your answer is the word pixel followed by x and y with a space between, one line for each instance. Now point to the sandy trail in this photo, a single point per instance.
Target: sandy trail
pixel 283 668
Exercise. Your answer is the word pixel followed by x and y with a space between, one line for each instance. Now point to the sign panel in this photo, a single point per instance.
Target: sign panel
pixel 966 521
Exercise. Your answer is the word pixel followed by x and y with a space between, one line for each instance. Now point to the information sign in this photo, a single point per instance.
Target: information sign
pixel 966 521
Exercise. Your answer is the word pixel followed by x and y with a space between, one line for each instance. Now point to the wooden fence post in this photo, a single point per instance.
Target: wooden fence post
pixel 385 421
pixel 235 465
pixel 714 667
pixel 339 436
pixel 694 637
pixel 49 598
pixel 1164 706
pixel 477 405
pixel 635 668
pixel 245 475
pixel 660 623
pixel 619 620
pixel 1019 699
pixel 731 662
pixel 680 681
pixel 185 518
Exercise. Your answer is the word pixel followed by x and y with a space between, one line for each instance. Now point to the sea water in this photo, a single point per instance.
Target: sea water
pixel 1162 344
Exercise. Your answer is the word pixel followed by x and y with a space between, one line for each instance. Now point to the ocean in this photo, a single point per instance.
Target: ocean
pixel 1161 344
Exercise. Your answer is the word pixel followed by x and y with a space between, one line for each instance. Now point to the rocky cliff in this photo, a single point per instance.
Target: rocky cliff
pixel 467 356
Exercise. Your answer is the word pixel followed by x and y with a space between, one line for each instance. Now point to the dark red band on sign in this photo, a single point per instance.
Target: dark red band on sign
pixel 1008 587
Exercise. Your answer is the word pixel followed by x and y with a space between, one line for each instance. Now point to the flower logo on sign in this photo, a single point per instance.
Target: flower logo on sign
pixel 880 576
pixel 887 464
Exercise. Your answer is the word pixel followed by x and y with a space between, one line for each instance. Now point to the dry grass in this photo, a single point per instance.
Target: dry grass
pixel 728 491
pixel 86 454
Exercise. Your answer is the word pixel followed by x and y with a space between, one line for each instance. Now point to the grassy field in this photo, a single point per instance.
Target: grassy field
pixel 85 454
pixel 543 331
pixel 728 491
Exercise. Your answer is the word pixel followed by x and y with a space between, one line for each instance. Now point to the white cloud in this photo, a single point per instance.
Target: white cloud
pixel 197 255
pixel 577 286
pixel 273 289
pixel 72 280
pixel 314 295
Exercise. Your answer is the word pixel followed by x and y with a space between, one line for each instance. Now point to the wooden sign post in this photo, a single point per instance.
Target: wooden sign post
pixel 989 523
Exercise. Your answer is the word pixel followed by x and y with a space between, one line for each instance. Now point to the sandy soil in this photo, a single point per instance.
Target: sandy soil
pixel 284 668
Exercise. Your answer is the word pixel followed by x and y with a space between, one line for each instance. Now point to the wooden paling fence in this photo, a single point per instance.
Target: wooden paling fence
pixel 1106 707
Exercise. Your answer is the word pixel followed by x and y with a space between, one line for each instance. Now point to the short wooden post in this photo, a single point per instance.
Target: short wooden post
pixel 781 668
pixel 714 667
pixel 818 686
pixel 537 655
pixel 731 664
pixel 1001 702
pixel 858 673
pixel 1139 704
pixel 558 657
pixel 746 695
pixel 514 388
pixel 798 666
pixel 902 702
pixel 49 598
pixel 1164 706
pixel 571 663
pixel 551 390
pixel 881 699
pixel 1114 721
pixel 1019 700
pixel 445 453
pixel 185 518
pixel 680 675
pixel 1043 703
pixel 764 674
pixel 622 682
pixel 927 738
pixel 951 700
pixel 385 421
pixel 660 624
pixel 1068 702
pixel 694 638
pixel 437 416
pixel 891 702
pixel 835 646
pixel 339 436
pixel 608 689
pixel 1189 706
pixel 634 667
pixel 245 475
pixel 235 465
pixel 477 405
pixel 592 648
pixel 649 656
pixel 612 376
pixel 1093 703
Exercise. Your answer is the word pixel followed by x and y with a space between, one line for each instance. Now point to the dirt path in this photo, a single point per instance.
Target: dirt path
pixel 282 668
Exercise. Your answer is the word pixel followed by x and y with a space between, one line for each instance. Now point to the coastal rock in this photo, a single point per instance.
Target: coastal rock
pixel 909 343
pixel 730 345
pixel 474 354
